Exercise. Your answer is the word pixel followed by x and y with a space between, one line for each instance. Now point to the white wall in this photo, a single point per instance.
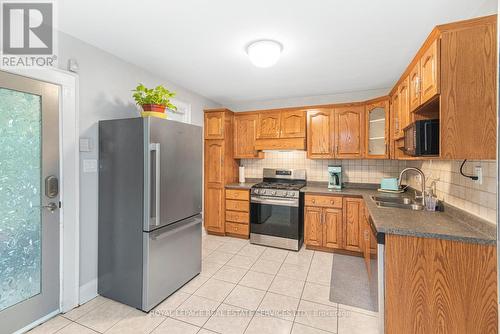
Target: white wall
pixel 105 92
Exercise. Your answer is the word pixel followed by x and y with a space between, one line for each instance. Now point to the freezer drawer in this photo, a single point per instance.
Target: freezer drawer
pixel 172 256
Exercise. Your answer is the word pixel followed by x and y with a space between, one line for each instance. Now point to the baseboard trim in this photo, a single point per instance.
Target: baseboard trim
pixel 88 291
pixel 37 322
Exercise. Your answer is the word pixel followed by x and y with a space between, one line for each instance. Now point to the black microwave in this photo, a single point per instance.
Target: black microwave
pixel 422 138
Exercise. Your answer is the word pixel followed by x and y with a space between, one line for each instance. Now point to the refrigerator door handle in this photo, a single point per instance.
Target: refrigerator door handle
pixel 155 147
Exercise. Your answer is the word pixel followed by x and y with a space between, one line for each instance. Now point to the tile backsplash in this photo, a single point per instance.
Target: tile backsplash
pixel 443 176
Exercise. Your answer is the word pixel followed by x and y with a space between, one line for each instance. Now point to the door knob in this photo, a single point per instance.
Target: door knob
pixel 51 207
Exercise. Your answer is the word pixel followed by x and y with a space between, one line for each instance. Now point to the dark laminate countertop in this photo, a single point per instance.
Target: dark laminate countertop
pixel 249 183
pixel 452 224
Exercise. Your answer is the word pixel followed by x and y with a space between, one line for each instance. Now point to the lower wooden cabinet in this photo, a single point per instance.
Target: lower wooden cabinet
pixel 237 213
pixel 323 227
pixel 353 217
pixel 214 209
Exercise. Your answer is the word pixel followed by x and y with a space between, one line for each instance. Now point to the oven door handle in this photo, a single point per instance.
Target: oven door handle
pixel 282 202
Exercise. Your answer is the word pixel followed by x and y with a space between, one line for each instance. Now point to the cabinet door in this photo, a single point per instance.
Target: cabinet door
pixel 293 124
pixel 349 132
pixel 377 130
pixel 429 71
pixel 214 161
pixel 415 85
pixel 353 213
pixel 313 234
pixel 404 105
pixel 213 215
pixel 395 116
pixel 269 125
pixel 214 125
pixel 320 134
pixel 332 228
pixel 366 242
pixel 245 128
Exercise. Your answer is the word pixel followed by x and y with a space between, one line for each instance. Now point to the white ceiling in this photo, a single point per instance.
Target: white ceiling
pixel 330 46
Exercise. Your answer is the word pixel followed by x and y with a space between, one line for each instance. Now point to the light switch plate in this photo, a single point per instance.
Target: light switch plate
pixel 85 145
pixel 90 166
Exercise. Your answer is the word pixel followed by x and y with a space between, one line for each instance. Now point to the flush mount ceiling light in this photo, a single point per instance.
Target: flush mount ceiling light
pixel 264 53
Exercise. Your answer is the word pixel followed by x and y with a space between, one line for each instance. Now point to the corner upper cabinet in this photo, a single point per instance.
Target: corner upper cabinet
pixel 214 125
pixel 377 129
pixel 349 132
pixel 293 124
pixel 245 133
pixel 268 125
pixel 320 134
pixel 430 72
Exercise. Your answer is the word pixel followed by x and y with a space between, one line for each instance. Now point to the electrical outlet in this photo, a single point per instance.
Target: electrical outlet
pixel 479 174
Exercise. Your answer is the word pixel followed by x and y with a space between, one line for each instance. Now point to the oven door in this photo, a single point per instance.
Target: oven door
pixel 279 217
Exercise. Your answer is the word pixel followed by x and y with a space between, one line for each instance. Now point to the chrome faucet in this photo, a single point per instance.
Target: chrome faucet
pixel 422 181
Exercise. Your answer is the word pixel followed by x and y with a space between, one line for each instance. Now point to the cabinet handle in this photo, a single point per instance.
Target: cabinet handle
pixel 314 201
pixel 331 202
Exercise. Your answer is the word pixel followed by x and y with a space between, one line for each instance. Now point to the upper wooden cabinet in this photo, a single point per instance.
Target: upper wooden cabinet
pixel 414 90
pixel 293 124
pixel 320 134
pixel 377 129
pixel 430 72
pixel 214 124
pixel 214 162
pixel 245 132
pixel 269 125
pixel 349 132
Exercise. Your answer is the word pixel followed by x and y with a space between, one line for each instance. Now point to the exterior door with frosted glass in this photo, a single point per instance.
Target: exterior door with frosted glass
pixel 29 201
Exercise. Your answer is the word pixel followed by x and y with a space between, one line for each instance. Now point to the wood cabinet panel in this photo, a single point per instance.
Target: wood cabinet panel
pixel 404 105
pixel 395 116
pixel 430 72
pixel 245 132
pixel 214 125
pixel 415 86
pixel 269 125
pixel 332 228
pixel 237 216
pixel 439 286
pixel 293 124
pixel 214 160
pixel 313 229
pixel 320 134
pixel 214 209
pixel 352 215
pixel 238 194
pixel 377 136
pixel 323 201
pixel 241 230
pixel 349 132
pixel 233 205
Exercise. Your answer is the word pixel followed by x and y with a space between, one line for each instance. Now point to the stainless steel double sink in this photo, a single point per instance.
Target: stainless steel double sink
pixel 397 202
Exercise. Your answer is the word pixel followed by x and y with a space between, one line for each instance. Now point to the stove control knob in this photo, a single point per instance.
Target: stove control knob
pixel 273 192
pixel 290 194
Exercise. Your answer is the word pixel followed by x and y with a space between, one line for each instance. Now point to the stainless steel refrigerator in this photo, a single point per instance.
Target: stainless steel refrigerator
pixel 150 195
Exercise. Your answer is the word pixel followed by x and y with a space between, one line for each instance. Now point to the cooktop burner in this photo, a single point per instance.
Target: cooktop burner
pixel 280 185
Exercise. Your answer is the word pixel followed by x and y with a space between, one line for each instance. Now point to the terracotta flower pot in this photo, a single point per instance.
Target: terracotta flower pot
pixel 153 108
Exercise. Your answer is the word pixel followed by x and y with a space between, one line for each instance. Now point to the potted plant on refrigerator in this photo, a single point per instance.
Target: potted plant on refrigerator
pixel 153 101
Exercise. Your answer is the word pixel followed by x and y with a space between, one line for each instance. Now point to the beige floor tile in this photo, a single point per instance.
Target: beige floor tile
pixel 268 325
pixel 194 284
pixel 229 320
pixel 137 322
pixel 301 329
pixel 265 266
pixel 357 323
pixel 279 306
pixel 257 280
pixel 302 258
pixel 212 244
pixel 317 315
pixel 105 316
pixel 274 254
pixel 287 286
pixel 253 251
pixel 75 328
pixel 169 305
pixel 317 293
pixel 209 268
pixel 320 273
pixel 173 326
pixel 206 252
pixel 215 289
pixel 293 271
pixel 219 257
pixel 245 297
pixel 196 310
pixel 358 310
pixel 239 261
pixel 230 274
pixel 231 247
pixel 85 308
pixel 205 331
pixel 51 326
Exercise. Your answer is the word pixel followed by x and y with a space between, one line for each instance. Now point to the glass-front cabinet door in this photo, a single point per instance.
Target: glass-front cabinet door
pixel 377 129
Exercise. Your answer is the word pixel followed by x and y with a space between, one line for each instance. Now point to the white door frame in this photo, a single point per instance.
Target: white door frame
pixel 69 263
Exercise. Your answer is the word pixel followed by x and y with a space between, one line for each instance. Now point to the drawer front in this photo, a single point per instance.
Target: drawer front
pixel 239 229
pixel 324 201
pixel 237 217
pixel 242 195
pixel 233 205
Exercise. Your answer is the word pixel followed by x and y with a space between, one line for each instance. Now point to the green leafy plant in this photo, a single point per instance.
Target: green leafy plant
pixel 158 95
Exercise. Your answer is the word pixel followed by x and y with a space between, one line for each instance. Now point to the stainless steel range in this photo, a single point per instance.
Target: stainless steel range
pixel 277 209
